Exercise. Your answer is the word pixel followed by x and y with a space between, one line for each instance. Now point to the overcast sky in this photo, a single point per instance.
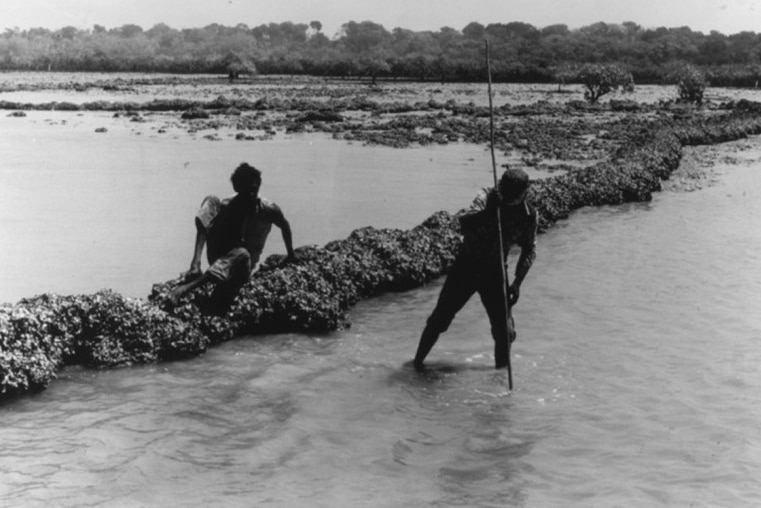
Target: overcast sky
pixel 726 16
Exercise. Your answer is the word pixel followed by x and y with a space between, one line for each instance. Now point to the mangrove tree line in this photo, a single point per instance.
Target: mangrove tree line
pixel 520 52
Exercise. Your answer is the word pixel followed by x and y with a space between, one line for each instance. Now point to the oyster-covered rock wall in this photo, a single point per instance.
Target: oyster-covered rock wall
pixel 40 335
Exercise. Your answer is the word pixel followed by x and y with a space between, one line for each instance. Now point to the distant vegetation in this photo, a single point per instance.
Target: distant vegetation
pixel 599 80
pixel 520 52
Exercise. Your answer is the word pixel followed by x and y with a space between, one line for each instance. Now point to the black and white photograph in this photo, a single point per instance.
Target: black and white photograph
pixel 364 253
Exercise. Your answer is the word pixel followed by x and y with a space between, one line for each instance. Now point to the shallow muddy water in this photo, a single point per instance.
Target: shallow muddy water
pixel 84 211
pixel 636 366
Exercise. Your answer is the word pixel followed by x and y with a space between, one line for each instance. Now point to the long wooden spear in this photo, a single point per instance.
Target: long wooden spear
pixel 505 280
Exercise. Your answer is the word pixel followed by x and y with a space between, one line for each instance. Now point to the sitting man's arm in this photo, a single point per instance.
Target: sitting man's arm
pixel 285 229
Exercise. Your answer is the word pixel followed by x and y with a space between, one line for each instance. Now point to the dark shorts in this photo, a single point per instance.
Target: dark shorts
pixel 463 281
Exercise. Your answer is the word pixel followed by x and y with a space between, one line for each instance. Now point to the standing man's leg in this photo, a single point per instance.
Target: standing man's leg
pixel 457 290
pixel 493 299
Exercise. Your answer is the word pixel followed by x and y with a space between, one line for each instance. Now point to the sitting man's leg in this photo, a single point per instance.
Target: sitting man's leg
pixel 183 289
pixel 231 272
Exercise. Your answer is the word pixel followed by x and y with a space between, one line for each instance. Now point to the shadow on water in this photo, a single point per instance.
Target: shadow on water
pixel 452 392
pixel 436 371
pixel 464 425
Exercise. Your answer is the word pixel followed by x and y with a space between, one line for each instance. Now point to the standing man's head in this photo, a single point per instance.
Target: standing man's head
pixel 513 186
pixel 246 179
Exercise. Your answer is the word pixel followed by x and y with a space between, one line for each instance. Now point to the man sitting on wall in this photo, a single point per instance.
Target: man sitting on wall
pixel 234 231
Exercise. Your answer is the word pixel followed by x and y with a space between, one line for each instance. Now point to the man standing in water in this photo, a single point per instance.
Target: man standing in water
pixel 234 231
pixel 477 267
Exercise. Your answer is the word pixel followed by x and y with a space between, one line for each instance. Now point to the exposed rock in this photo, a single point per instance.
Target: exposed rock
pixel 195 113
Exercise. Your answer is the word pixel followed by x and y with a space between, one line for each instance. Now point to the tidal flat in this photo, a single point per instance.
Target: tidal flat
pixel 635 367
pixel 579 155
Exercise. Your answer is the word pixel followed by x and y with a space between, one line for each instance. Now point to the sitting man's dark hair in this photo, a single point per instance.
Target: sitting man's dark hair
pixel 244 176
